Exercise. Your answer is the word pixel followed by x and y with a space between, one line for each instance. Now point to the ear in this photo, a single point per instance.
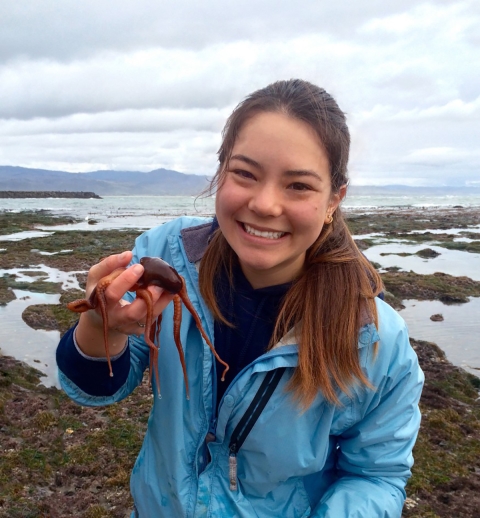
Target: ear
pixel 336 198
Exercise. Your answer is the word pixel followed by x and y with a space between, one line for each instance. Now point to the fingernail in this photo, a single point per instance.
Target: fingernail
pixel 137 268
pixel 157 291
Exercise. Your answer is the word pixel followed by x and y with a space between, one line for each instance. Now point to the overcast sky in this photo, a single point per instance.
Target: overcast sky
pixel 143 84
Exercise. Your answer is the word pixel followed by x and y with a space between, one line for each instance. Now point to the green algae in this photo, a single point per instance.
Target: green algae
pixel 411 226
pixel 425 253
pixel 37 286
pixel 88 248
pixel 53 316
pixel 472 247
pixel 13 222
pixel 437 286
pixel 6 293
pixel 447 452
pixel 402 220
pixel 54 452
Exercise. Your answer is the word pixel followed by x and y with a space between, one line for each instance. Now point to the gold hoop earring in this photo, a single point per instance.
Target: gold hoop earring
pixel 328 219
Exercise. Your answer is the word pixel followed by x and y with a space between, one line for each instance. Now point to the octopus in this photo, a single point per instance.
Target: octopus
pixel 157 272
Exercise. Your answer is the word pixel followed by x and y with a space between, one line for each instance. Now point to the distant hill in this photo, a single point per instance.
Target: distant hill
pixel 160 182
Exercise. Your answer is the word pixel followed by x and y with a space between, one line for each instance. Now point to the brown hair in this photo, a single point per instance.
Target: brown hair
pixel 334 294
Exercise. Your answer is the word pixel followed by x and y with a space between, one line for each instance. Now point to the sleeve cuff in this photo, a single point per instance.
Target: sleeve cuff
pixel 90 374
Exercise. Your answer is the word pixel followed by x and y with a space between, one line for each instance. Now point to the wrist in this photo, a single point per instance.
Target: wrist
pixel 90 339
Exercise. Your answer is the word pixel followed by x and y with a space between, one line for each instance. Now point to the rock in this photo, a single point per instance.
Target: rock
pixel 438 317
pixel 428 253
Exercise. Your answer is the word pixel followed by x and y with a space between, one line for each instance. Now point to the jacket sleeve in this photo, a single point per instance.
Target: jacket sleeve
pixel 374 455
pixel 79 383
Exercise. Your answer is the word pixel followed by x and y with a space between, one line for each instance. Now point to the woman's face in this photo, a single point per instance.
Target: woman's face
pixel 273 200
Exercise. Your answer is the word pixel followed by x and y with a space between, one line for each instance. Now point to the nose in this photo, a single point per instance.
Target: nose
pixel 266 201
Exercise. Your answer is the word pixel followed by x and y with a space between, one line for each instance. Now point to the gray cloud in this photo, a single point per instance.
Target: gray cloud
pixel 70 29
pixel 139 85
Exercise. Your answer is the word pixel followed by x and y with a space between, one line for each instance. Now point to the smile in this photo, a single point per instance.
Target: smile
pixel 265 234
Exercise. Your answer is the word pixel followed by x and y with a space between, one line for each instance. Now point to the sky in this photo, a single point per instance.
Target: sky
pixel 143 84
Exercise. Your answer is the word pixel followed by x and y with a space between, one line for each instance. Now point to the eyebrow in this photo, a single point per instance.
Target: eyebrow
pixel 289 173
pixel 247 160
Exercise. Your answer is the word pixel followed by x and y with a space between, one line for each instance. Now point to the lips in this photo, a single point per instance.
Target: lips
pixel 270 234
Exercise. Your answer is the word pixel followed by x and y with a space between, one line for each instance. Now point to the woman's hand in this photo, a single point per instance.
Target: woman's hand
pixel 123 317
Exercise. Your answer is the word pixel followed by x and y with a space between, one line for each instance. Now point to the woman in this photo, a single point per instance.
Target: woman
pixel 288 300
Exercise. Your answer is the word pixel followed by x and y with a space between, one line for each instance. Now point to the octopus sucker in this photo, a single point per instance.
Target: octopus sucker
pixel 157 272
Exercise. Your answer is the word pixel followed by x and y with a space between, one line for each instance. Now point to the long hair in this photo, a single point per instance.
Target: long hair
pixel 333 296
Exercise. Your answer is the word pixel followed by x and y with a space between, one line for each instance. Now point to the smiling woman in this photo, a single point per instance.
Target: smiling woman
pixel 318 413
pixel 274 197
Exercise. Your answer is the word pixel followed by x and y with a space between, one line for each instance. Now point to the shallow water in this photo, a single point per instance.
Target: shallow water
pixel 26 234
pixel 142 222
pixel 453 262
pixel 458 335
pixel 34 347
pixel 46 274
pixel 447 231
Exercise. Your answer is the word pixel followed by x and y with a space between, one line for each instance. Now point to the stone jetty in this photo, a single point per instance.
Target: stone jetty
pixel 48 194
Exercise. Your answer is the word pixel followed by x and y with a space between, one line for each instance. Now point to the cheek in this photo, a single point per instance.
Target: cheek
pixel 228 198
pixel 221 201
pixel 224 207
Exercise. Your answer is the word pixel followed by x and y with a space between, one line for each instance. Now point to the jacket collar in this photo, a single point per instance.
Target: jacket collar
pixel 195 240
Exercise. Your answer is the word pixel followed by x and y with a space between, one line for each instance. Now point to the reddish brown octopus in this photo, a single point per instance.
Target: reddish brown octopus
pixel 157 272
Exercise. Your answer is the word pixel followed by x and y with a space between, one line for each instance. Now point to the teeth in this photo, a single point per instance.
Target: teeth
pixel 259 233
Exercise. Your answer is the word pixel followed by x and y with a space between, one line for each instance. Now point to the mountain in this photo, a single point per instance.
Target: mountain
pixel 159 182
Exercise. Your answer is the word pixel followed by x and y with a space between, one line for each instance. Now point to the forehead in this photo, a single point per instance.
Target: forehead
pixel 276 123
pixel 277 136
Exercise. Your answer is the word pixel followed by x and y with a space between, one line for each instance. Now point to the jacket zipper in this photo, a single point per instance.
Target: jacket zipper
pixel 248 420
pixel 232 467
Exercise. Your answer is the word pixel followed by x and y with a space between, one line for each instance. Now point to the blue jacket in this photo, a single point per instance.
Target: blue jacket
pixel 329 461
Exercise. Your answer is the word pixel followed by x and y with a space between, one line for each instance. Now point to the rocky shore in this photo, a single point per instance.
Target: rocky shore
pixel 48 194
pixel 61 460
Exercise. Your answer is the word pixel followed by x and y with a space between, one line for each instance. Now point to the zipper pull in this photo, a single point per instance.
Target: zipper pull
pixel 232 468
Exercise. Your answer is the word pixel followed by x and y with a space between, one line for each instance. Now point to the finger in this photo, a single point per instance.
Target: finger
pixel 123 283
pixel 127 318
pixel 137 310
pixel 108 265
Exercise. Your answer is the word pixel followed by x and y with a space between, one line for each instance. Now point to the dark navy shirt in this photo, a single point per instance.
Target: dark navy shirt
pixel 253 314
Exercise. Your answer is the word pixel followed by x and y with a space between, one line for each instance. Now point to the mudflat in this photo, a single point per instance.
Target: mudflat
pixel 60 460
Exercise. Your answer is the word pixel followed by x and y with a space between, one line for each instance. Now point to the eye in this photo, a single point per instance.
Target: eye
pixel 300 186
pixel 241 173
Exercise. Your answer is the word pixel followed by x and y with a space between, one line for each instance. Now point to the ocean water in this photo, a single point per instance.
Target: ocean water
pixel 458 335
pixel 162 206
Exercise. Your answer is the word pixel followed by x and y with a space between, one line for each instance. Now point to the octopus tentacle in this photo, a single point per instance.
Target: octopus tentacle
pixel 146 296
pixel 177 322
pixel 97 298
pixel 188 304
pixel 100 291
